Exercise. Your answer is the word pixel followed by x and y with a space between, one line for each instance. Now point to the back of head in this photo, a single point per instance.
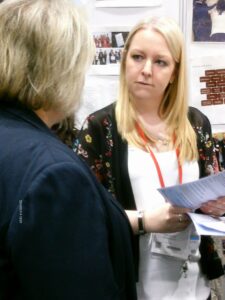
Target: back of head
pixel 44 53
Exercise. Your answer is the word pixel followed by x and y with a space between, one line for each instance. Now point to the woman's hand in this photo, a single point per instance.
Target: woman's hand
pixel 166 219
pixel 214 207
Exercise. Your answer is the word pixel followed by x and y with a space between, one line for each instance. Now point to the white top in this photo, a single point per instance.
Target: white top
pixel 218 21
pixel 160 276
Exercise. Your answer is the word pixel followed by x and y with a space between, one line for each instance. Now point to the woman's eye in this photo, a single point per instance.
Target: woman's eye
pixel 161 63
pixel 137 57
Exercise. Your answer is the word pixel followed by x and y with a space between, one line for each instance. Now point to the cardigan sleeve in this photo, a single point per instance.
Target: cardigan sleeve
pixel 207 158
pixel 94 145
pixel 210 261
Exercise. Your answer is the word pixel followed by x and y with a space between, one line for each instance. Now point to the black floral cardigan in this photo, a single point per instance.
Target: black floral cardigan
pixel 102 147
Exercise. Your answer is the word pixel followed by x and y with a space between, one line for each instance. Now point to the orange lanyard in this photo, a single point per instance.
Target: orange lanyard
pixel 161 180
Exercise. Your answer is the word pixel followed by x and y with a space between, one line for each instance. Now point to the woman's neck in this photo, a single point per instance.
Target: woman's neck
pixel 153 124
pixel 149 106
pixel 156 129
pixel 148 114
pixel 156 133
pixel 49 117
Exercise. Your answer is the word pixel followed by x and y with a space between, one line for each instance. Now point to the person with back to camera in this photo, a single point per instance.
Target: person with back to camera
pixel 148 139
pixel 62 236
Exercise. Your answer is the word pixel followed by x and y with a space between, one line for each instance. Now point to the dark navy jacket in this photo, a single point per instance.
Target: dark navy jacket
pixel 62 236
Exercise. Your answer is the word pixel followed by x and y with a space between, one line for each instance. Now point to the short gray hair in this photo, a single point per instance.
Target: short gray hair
pixel 45 50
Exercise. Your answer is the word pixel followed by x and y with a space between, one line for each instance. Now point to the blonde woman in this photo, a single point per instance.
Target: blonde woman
pixel 61 234
pixel 150 139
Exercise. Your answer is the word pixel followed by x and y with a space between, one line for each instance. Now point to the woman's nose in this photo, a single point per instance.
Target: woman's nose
pixel 147 68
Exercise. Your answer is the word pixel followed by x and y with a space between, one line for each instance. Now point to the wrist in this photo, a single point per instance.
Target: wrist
pixel 141 223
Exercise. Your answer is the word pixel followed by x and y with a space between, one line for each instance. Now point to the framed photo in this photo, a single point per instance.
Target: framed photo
pixel 109 43
pixel 208 20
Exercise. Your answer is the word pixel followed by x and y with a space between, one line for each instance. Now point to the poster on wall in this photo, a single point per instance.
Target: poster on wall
pixel 127 3
pixel 208 21
pixel 109 43
pixel 98 92
pixel 207 91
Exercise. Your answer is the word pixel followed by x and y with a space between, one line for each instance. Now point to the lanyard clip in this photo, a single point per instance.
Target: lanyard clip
pixel 184 269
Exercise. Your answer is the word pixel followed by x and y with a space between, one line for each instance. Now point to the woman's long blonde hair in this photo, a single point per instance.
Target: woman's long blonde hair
pixel 174 106
pixel 44 53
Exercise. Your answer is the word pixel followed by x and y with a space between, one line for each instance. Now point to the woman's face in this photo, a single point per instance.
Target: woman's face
pixel 149 66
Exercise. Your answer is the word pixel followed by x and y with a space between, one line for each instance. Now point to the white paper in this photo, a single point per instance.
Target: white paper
pixel 194 194
pixel 207 225
pixel 119 39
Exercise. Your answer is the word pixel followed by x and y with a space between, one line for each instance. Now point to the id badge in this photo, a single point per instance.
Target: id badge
pixel 179 244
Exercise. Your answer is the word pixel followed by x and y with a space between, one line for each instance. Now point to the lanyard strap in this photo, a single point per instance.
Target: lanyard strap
pixel 147 146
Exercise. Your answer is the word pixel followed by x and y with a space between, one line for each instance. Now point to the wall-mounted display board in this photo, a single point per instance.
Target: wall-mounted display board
pixel 205 42
pixel 208 87
pixel 111 21
pixel 109 43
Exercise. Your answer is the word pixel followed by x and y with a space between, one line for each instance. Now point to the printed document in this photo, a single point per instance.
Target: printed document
pixel 193 194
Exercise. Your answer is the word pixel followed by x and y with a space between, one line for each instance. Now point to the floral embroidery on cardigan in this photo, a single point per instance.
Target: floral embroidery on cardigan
pixel 101 166
pixel 206 151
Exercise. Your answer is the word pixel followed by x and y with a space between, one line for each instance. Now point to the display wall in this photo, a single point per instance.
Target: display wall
pixel 112 19
pixel 206 59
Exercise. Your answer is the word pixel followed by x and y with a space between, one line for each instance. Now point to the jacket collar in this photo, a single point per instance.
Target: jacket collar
pixel 18 111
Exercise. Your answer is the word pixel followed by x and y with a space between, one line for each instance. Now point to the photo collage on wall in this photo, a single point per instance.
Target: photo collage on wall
pixel 109 43
pixel 108 47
